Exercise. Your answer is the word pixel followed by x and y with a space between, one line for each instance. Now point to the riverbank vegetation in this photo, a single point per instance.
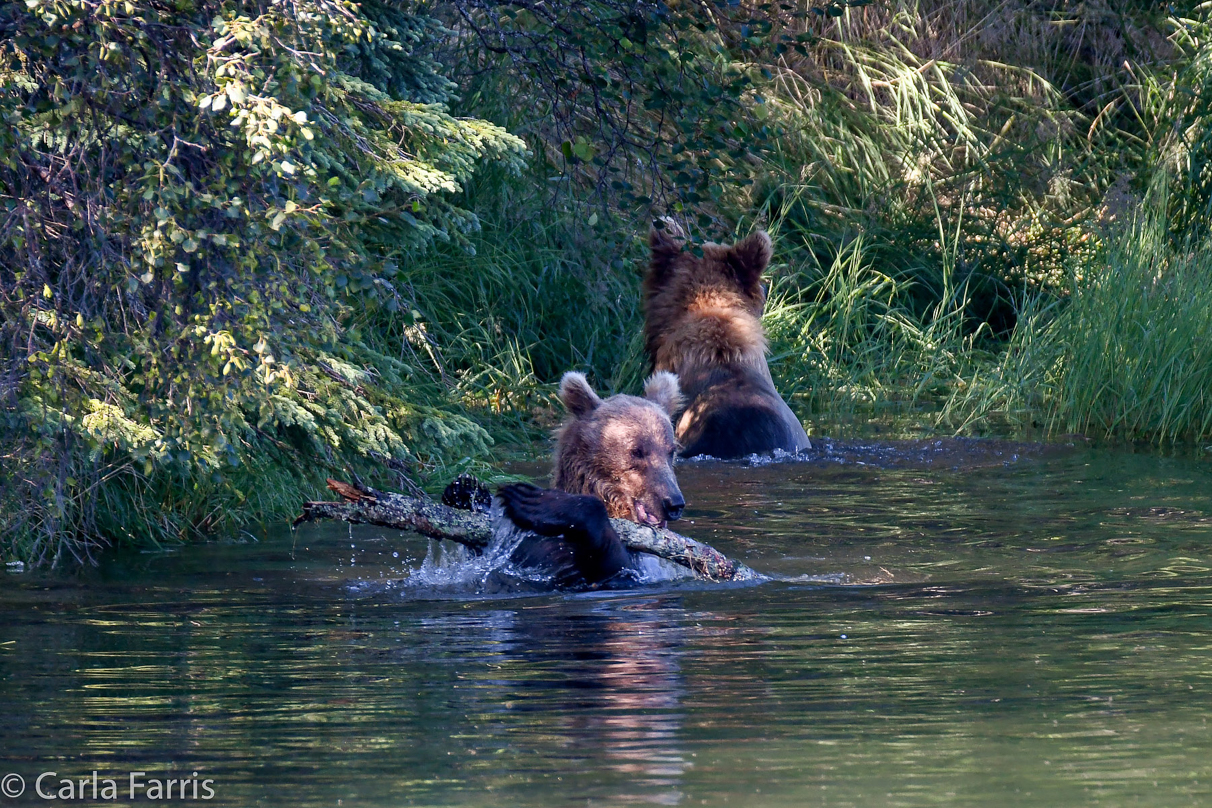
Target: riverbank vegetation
pixel 246 246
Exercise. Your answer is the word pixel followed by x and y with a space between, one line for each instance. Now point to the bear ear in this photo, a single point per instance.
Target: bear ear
pixel 749 258
pixel 666 238
pixel 662 389
pixel 577 395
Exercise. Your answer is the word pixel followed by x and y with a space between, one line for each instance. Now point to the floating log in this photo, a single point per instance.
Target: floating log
pixel 363 505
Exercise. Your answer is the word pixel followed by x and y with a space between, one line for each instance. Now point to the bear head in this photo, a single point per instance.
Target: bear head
pixel 704 310
pixel 621 449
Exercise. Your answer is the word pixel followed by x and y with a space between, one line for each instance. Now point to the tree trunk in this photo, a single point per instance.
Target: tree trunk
pixel 437 521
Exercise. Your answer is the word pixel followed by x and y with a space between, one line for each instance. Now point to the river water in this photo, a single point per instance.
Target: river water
pixel 948 624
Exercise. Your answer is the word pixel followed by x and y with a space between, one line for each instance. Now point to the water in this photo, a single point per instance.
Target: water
pixel 1026 629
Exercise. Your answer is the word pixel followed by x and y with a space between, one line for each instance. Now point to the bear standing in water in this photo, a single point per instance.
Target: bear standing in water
pixel 614 458
pixel 703 322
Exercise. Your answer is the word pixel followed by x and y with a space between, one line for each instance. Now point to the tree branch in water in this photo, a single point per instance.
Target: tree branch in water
pixel 364 505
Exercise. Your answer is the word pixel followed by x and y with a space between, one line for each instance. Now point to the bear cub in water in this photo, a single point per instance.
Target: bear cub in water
pixel 703 321
pixel 614 458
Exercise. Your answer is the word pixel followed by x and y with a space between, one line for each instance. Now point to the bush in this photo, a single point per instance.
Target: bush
pixel 200 201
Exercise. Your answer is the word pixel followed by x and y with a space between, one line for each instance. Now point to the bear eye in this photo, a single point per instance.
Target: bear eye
pixel 637 453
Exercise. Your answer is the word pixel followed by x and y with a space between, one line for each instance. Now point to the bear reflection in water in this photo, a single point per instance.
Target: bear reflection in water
pixel 595 679
pixel 616 671
pixel 614 458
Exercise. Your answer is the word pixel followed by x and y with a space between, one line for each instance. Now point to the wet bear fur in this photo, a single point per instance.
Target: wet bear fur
pixel 703 322
pixel 614 458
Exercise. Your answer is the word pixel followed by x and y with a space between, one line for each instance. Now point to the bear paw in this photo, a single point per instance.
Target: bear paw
pixel 467 493
pixel 550 512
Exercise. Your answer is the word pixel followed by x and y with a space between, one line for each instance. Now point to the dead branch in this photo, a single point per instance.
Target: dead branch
pixel 363 505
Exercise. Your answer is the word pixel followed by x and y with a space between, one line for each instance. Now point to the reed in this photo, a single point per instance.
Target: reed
pixel 1135 342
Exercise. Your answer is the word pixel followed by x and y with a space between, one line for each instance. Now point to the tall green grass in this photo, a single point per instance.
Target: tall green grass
pixel 539 291
pixel 967 142
pixel 1125 355
pixel 1135 342
pixel 847 346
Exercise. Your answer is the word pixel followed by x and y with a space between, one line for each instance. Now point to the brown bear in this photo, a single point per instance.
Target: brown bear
pixel 614 458
pixel 703 322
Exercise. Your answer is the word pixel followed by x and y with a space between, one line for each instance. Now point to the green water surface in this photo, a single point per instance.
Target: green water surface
pixel 1034 632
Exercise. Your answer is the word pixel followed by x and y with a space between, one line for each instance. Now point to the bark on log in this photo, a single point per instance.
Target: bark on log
pixel 364 505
